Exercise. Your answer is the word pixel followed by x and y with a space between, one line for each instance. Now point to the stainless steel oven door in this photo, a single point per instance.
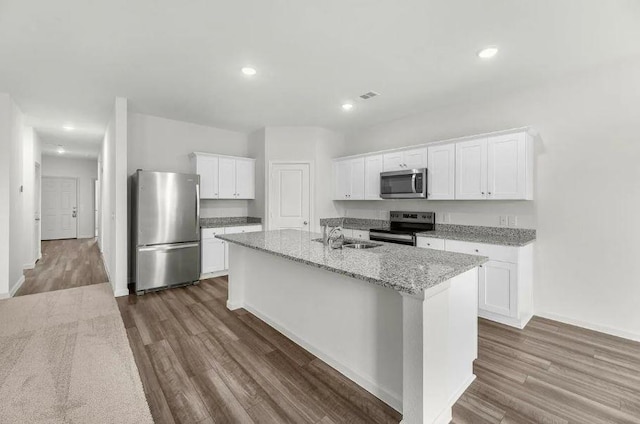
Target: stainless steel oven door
pixel 405 184
pixel 406 239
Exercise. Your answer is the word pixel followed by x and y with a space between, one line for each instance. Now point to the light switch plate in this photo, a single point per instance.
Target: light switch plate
pixel 503 220
pixel 513 221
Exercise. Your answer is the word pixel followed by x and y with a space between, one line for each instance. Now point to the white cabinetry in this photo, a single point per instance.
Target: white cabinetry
pixel 430 243
pixel 349 179
pixel 224 177
pixel 441 166
pixel 471 170
pixel 214 253
pixel 498 167
pixel 356 234
pixel 405 159
pixel 372 170
pixel 505 282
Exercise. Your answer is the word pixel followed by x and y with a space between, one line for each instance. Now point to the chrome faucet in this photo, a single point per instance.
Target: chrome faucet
pixel 328 236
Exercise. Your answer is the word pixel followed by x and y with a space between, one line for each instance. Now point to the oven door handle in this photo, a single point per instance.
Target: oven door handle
pixel 388 236
pixel 413 183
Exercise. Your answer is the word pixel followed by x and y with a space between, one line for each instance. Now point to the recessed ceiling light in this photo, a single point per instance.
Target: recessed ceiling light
pixel 68 128
pixel 347 106
pixel 60 149
pixel 249 71
pixel 488 52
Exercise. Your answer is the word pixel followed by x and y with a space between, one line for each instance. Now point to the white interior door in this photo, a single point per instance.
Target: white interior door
pixel 290 199
pixel 59 208
pixel 96 205
pixel 37 214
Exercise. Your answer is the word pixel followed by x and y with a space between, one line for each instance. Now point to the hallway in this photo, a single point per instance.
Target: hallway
pixel 65 264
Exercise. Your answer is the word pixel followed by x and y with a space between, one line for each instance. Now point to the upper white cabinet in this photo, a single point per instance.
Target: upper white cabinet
pixel 405 159
pixel 245 178
pixel 372 170
pixel 224 177
pixel 441 166
pixel 497 167
pixel 349 179
pixel 207 168
pixel 508 165
pixel 471 169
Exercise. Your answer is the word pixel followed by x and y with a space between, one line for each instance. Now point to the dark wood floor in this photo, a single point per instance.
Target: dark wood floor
pixel 201 363
pixel 65 264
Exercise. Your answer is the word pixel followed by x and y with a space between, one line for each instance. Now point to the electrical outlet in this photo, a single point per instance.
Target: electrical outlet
pixel 503 221
pixel 513 221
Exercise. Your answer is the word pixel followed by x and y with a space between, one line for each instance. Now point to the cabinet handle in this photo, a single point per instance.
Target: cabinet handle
pixel 477 250
pixel 489 193
pixel 482 192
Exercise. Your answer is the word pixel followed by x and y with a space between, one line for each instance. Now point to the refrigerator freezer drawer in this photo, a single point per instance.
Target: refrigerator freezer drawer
pixel 166 265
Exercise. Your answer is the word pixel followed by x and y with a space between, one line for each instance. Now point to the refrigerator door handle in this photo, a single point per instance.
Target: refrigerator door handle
pixel 167 247
pixel 198 202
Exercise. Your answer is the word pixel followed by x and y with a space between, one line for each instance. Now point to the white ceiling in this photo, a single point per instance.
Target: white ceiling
pixel 64 61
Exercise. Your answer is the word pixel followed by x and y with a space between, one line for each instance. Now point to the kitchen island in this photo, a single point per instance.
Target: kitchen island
pixel 399 321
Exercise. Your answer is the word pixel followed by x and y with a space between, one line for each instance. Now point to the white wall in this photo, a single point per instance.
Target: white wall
pixel 587 188
pixel 114 217
pixel 317 145
pixel 159 144
pixel 5 159
pixel 86 171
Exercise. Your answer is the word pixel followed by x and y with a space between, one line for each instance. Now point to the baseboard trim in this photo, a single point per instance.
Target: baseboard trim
pixel 512 322
pixel 392 400
pixel 121 292
pixel 590 326
pixel 214 274
pixel 29 265
pixel 17 286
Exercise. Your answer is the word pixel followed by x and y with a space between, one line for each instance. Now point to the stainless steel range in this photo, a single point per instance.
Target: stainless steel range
pixel 404 226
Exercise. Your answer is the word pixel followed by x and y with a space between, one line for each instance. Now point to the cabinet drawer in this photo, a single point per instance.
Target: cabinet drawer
pixel 360 234
pixel 493 252
pixel 430 243
pixel 209 233
pixel 243 229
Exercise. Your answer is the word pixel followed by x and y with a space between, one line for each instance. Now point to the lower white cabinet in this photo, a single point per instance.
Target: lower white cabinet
pixel 214 253
pixel 505 282
pixel 356 234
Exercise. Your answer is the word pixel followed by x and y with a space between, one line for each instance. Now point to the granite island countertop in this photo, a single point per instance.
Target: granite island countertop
pixel 402 268
pixel 517 237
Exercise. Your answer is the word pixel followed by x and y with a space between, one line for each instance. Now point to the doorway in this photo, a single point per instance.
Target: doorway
pixel 290 195
pixel 37 249
pixel 59 208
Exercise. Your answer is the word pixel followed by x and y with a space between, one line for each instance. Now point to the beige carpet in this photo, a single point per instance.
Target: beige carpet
pixel 65 358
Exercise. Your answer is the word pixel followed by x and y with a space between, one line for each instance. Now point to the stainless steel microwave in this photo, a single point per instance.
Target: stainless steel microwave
pixel 405 184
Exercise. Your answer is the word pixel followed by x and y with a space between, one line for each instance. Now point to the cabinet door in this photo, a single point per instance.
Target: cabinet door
pixel 227 178
pixel 498 288
pixel 415 158
pixel 245 179
pixel 441 172
pixel 213 255
pixel 357 179
pixel 430 243
pixel 342 170
pixel 392 161
pixel 471 169
pixel 372 170
pixel 207 168
pixel 507 166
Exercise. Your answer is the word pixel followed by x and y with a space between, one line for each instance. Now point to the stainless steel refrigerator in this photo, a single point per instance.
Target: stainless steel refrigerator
pixel 165 230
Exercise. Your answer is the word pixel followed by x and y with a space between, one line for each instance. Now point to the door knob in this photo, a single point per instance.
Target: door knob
pixel 305 222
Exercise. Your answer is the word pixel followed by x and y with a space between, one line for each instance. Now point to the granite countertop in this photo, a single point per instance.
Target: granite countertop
pixel 402 268
pixel 229 221
pixel 490 235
